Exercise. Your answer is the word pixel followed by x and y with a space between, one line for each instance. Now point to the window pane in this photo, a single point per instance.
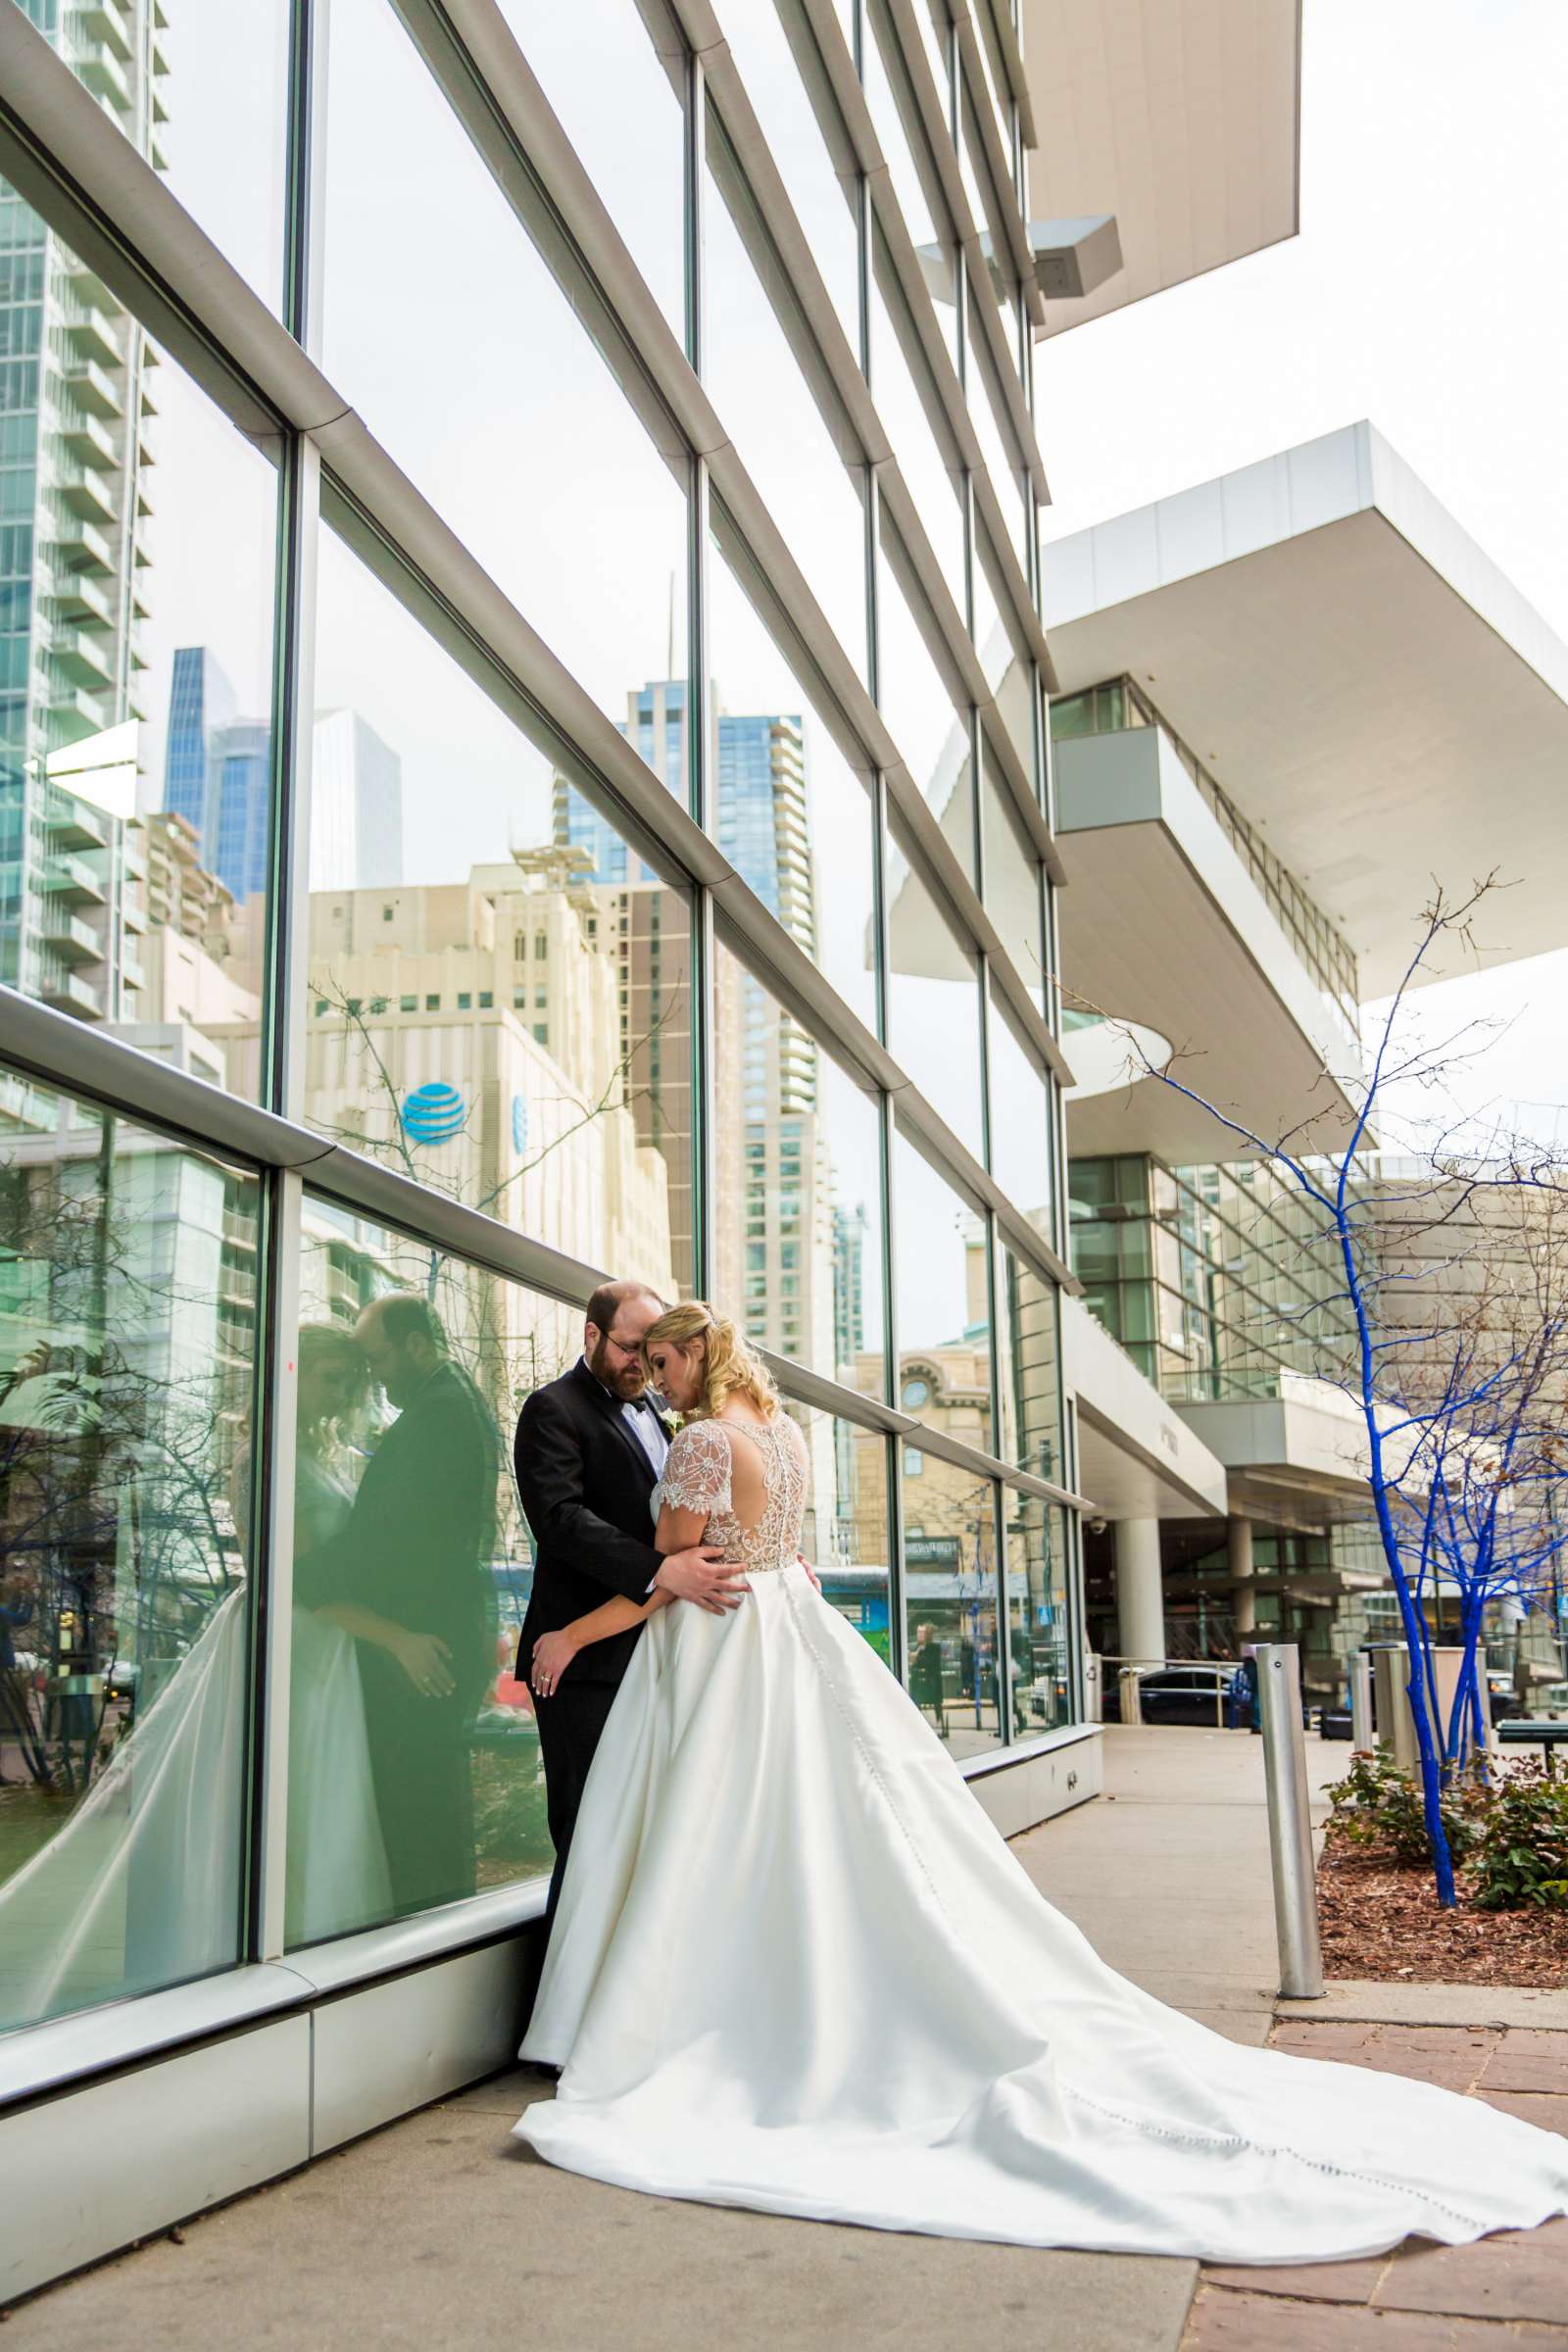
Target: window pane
pixel 208 107
pixel 846 1534
pixel 1030 1361
pixel 997 97
pixel 776 399
pixel 1020 1120
pixel 136 554
pixel 798 1225
pixel 995 637
pixel 949 1585
pixel 793 818
pixel 930 466
pixel 127 1274
pixel 1011 877
pixel 399 1799
pixel 943 1302
pixel 498 406
pixel 933 998
pixel 1037 1614
pixel 788 88
pixel 931 733
pixel 914 181
pixel 513 1026
pixel 995 433
pixel 619 100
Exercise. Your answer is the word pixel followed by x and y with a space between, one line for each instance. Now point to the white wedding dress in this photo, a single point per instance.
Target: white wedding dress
pixel 795 1968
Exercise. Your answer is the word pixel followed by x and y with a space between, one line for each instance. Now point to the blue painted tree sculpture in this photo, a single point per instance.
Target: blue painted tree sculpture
pixel 1454 1271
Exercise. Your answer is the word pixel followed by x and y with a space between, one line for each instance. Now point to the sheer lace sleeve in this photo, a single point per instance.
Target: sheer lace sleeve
pixel 697 1475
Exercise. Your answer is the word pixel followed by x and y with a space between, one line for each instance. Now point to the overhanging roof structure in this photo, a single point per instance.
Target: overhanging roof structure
pixel 1362 682
pixel 1180 117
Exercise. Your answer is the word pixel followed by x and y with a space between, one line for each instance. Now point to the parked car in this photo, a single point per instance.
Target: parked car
pixel 1195 1693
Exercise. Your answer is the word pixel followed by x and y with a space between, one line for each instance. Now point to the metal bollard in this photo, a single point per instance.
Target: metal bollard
pixel 1361 1734
pixel 1290 1821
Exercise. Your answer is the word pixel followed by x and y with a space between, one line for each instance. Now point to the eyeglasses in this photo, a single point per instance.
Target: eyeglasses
pixel 629 1348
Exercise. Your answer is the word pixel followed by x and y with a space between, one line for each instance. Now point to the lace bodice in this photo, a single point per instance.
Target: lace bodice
pixel 698 1478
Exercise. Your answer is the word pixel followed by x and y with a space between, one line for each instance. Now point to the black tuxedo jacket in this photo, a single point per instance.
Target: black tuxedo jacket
pixel 419 1543
pixel 586 1487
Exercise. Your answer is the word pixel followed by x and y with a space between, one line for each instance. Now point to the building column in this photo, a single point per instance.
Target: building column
pixel 1140 1593
pixel 1244 1593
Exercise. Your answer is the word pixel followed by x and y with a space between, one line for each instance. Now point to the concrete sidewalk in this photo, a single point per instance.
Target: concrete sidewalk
pixel 440 2231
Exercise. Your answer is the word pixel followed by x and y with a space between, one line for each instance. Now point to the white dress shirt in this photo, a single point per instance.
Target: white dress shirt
pixel 644 1423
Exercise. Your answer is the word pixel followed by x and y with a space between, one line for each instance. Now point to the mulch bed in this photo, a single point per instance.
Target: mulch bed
pixel 1381 1921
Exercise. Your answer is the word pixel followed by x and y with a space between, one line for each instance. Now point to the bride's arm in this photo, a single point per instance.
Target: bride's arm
pixel 677 1531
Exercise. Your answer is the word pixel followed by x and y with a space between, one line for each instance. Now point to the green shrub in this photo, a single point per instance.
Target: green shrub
pixel 1519 1857
pixel 1377 1807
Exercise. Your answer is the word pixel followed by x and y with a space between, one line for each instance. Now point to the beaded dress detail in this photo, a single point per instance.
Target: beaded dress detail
pixel 698 1477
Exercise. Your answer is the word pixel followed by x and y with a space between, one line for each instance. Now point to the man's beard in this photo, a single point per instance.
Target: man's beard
pixel 626 1380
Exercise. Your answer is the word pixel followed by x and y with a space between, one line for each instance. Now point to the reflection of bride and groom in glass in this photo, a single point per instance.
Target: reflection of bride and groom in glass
pixel 393 1647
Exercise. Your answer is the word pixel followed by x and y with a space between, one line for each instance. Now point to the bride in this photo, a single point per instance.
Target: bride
pixel 795 1968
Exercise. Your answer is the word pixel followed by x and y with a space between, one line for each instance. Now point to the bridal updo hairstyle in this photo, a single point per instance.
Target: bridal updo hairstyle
pixel 730 1366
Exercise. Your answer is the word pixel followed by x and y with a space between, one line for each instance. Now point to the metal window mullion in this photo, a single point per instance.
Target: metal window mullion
pixel 998 1522
pixel 895 1445
pixel 272 1524
pixel 694 152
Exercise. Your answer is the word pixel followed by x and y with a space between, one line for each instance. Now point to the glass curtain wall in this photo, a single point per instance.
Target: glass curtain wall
pixel 435 872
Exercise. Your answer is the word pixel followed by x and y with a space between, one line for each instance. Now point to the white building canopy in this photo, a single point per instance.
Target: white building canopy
pixel 1362 682
pixel 1182 117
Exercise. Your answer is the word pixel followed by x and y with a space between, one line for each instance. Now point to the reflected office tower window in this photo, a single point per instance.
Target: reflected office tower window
pixel 1029 1368
pixel 505 412
pixel 768 382
pixel 615 71
pixel 933 996
pixel 794 817
pixel 797 1214
pixel 127 1266
pixel 942 1300
pixel 846 1531
pixel 1041 1671
pixel 907 402
pixel 415 1773
pixel 917 183
pixel 928 726
pixel 506 1016
pixel 953 1636
pixel 204 98
pixel 788 85
pixel 136 559
pixel 1012 877
pixel 1020 1118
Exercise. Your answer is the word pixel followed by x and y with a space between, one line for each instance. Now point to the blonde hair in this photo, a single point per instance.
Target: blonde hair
pixel 731 1366
pixel 329 1436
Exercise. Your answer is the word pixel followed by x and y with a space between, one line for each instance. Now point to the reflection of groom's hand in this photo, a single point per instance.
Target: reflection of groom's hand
pixel 423 1659
pixel 704 1575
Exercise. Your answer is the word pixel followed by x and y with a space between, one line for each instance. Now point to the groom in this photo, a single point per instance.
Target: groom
pixel 590 1448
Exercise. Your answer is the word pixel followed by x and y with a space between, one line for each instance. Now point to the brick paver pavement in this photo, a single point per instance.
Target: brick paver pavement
pixel 1504 2294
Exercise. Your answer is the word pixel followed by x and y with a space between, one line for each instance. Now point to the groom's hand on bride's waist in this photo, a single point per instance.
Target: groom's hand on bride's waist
pixel 703 1574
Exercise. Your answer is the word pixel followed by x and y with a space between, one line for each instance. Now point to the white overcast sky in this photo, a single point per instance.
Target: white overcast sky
pixel 1425 291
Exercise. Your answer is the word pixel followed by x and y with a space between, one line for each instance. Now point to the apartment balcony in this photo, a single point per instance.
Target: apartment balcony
pixel 92 390
pixel 79 597
pixel 90 445
pixel 71 938
pixel 106 21
pixel 132 974
pixel 85 495
pixel 77 825
pixel 67 877
pixel 75 711
pixel 68 992
pixel 236 1286
pixel 104 77
pixel 94 336
pixel 79 659
pixel 80 548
